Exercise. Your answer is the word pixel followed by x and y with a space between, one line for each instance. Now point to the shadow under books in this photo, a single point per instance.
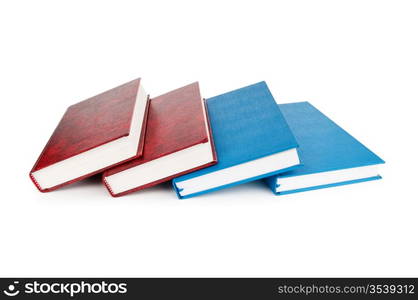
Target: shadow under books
pixel 96 183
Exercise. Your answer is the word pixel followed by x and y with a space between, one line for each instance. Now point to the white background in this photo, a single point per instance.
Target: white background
pixel 354 60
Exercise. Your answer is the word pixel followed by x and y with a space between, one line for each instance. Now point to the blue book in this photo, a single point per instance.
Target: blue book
pixel 252 141
pixel 329 155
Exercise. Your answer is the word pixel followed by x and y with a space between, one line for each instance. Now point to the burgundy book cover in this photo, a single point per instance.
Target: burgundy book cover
pixel 176 121
pixel 91 123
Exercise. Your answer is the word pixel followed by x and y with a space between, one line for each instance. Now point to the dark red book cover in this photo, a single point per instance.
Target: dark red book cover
pixel 176 120
pixel 92 123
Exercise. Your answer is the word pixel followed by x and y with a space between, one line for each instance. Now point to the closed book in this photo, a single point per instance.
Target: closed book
pixel 329 155
pixel 93 135
pixel 252 141
pixel 178 140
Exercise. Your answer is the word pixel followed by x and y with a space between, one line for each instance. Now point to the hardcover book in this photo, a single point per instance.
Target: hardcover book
pixel 93 135
pixel 178 140
pixel 252 140
pixel 329 155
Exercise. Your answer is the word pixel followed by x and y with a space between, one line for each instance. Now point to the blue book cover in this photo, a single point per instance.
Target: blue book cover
pixel 252 141
pixel 329 155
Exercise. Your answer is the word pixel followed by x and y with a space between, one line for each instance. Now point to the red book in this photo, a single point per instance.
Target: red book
pixel 178 140
pixel 93 135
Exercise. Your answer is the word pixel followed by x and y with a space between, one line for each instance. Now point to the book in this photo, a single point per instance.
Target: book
pixel 93 135
pixel 178 140
pixel 252 140
pixel 329 155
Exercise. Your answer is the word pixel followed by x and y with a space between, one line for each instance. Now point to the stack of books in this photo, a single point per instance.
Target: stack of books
pixel 202 145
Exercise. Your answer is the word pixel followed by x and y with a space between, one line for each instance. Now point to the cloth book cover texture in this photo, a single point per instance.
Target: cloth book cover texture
pixel 177 121
pixel 247 125
pixel 87 125
pixel 323 147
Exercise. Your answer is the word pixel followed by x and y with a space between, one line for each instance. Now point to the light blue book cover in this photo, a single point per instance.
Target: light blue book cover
pixel 329 155
pixel 252 141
